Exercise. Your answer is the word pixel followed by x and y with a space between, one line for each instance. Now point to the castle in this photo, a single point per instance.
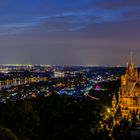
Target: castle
pixel 128 98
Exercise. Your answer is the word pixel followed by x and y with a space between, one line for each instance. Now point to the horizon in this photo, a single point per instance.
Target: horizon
pixel 66 65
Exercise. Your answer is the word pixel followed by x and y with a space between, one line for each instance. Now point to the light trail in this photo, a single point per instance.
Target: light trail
pixel 92 97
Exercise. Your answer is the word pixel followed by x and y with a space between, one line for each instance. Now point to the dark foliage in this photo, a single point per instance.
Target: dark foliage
pixel 51 118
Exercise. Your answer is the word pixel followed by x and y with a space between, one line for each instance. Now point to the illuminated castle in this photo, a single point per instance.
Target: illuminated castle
pixel 128 99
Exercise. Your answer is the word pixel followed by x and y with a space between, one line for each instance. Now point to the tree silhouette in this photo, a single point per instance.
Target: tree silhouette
pixel 7 134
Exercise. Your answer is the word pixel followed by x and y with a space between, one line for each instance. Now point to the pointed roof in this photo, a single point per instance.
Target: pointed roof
pixel 131 57
pixel 114 98
pixel 130 62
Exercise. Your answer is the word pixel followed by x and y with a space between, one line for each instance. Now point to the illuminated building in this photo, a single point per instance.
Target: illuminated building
pixel 128 99
pixel 59 74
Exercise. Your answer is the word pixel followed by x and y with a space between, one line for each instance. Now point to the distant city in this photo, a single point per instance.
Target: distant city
pixel 19 82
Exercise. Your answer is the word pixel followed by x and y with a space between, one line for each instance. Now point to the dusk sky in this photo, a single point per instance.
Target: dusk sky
pixel 98 32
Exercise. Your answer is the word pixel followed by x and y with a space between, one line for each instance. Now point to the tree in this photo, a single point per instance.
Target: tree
pixel 7 134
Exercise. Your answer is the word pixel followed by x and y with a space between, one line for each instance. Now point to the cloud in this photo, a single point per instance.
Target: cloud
pixel 133 14
pixel 19 17
pixel 111 4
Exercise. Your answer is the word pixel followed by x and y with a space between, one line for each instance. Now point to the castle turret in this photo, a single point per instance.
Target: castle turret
pixel 114 102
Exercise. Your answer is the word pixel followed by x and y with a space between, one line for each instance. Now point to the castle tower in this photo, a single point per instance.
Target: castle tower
pixel 114 102
pixel 129 92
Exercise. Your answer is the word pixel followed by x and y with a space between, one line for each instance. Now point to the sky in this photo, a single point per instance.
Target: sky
pixel 75 32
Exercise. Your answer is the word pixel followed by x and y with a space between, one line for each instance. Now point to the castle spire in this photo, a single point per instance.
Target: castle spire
pixel 114 98
pixel 139 75
pixel 131 58
pixel 114 101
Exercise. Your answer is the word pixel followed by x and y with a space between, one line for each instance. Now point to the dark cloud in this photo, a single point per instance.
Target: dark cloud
pixel 135 14
pixel 111 4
